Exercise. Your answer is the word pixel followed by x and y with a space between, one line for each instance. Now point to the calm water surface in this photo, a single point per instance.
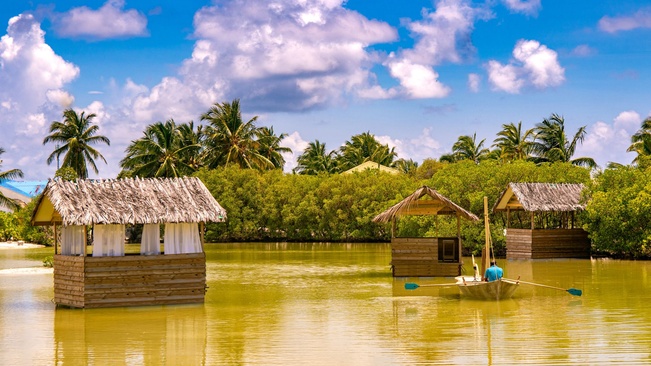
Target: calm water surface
pixel 336 304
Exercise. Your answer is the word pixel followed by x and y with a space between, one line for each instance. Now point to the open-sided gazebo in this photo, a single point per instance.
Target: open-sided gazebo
pixel 107 276
pixel 550 212
pixel 425 257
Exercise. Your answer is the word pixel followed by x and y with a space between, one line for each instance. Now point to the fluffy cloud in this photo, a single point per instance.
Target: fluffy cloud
pixel 33 78
pixel 417 81
pixel 533 64
pixel 441 36
pixel 641 19
pixel 295 142
pixel 109 21
pixel 419 148
pixel 314 52
pixel 616 136
pixel 529 7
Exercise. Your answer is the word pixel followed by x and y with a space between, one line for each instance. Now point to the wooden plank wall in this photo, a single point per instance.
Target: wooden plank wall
pixel 130 280
pixel 547 243
pixel 418 257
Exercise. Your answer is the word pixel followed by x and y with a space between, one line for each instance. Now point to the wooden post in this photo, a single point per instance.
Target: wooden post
pixel 508 216
pixel 459 236
pixel 202 226
pixel 55 237
pixel 532 222
pixel 84 249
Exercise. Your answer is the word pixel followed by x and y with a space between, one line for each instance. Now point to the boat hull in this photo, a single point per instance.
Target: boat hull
pixel 496 290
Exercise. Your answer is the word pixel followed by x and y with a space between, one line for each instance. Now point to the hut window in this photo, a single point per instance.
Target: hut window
pixel 182 238
pixel 108 240
pixel 150 243
pixel 72 240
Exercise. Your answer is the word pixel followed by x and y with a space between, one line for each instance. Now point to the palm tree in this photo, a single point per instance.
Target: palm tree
pixel 552 145
pixel 641 141
pixel 270 146
pixel 73 137
pixel 7 175
pixel 229 140
pixel 406 166
pixel 191 137
pixel 159 153
pixel 513 143
pixel 467 148
pixel 315 160
pixel 365 147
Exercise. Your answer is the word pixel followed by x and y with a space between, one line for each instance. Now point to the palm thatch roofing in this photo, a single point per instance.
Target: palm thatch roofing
pixel 127 201
pixel 541 197
pixel 371 165
pixel 432 203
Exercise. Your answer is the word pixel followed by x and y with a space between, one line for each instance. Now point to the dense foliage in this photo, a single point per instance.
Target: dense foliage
pixel 618 214
pixel 271 205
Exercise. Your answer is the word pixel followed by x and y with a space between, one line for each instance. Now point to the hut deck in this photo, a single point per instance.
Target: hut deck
pixel 94 282
pixel 547 243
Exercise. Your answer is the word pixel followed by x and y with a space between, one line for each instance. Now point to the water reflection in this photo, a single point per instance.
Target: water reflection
pixel 131 336
pixel 334 304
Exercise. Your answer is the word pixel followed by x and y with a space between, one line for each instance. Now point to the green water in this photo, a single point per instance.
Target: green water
pixel 337 304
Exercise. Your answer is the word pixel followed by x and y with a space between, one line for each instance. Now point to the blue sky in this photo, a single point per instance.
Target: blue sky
pixel 417 74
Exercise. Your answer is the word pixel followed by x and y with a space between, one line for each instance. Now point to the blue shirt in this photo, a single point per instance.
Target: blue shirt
pixel 493 273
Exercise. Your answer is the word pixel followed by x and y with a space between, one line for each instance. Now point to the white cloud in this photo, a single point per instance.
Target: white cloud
pixel 109 21
pixel 504 77
pixel 441 36
pixel 529 7
pixel 418 81
pixel 32 95
pixel 419 148
pixel 608 142
pixel 60 97
pixel 641 19
pixel 314 52
pixel 533 64
pixel 583 50
pixel 295 142
pixel 474 82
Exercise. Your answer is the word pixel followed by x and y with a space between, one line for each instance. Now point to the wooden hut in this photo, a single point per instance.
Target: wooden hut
pixel 107 276
pixel 549 210
pixel 425 257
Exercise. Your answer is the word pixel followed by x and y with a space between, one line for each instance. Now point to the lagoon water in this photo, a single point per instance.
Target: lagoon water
pixel 336 304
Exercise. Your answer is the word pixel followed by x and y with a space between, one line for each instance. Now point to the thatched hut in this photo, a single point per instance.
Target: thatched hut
pixel 425 257
pixel 107 276
pixel 549 210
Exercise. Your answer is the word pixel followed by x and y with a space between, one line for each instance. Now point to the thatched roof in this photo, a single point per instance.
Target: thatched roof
pixel 433 203
pixel 371 165
pixel 127 201
pixel 541 197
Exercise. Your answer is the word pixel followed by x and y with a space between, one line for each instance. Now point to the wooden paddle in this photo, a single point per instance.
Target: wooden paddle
pixel 413 286
pixel 573 291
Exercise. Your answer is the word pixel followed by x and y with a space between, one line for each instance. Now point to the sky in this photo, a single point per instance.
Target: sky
pixel 416 74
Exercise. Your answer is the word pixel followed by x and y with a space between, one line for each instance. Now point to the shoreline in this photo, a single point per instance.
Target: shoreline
pixel 18 245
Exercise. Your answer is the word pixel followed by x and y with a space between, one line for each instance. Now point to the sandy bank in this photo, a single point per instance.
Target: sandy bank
pixel 18 245
pixel 26 271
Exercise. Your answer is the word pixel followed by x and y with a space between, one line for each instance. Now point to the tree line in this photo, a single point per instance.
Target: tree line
pixel 241 164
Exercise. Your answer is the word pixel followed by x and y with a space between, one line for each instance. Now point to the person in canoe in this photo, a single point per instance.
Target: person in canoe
pixel 493 272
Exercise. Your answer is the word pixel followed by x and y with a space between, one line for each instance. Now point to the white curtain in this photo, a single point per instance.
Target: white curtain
pixel 72 240
pixel 150 243
pixel 108 240
pixel 182 238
